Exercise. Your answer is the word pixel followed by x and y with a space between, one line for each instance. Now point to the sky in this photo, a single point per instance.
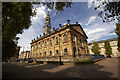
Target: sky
pixel 82 12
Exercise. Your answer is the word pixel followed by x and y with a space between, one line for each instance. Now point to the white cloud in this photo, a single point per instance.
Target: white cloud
pixel 64 23
pixel 112 34
pixel 35 29
pixel 91 19
pixel 90 3
pixel 99 30
pixel 96 31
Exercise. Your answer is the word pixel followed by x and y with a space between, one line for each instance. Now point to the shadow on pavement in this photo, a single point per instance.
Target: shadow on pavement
pixel 54 71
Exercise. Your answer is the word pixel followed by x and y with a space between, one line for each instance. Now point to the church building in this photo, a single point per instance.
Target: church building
pixel 67 40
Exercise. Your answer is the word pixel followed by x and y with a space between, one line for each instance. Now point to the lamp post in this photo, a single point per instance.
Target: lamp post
pixel 59 49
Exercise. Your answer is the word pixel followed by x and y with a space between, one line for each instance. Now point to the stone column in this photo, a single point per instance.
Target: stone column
pixel 76 45
pixel 70 43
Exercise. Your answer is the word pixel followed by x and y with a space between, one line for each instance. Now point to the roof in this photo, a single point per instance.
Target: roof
pixel 62 28
pixel 80 27
pixel 102 41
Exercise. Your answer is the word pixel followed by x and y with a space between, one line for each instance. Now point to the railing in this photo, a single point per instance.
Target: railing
pixel 64 58
pixel 57 58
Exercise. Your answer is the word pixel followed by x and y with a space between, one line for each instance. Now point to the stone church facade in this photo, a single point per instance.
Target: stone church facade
pixel 67 40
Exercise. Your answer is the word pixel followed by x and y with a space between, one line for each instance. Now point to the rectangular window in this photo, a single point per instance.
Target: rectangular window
pixel 41 45
pixel 56 40
pixel 45 53
pixel 56 51
pixel 50 52
pixel 40 54
pixel 45 44
pixel 64 37
pixel 65 51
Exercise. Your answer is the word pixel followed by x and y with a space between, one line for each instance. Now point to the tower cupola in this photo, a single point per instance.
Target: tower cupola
pixel 47 26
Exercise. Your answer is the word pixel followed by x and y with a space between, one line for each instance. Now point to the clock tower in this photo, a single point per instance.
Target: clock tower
pixel 47 26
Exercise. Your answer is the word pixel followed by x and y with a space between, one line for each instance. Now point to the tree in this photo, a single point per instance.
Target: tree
pixel 117 31
pixel 95 48
pixel 107 47
pixel 108 11
pixel 16 18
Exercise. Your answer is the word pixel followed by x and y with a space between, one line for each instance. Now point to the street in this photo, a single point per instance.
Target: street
pixel 106 68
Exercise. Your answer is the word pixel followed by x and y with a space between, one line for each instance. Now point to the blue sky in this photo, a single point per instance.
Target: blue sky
pixel 81 12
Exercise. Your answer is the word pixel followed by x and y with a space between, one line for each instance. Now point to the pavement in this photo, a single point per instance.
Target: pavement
pixel 106 68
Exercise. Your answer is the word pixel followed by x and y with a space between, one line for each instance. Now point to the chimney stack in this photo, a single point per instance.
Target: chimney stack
pixel 60 26
pixel 43 34
pixel 68 22
pixel 40 36
pixel 37 37
pixel 53 29
pixel 76 22
pixel 34 39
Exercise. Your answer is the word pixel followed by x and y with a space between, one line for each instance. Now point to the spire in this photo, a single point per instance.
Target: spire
pixel 48 13
pixel 47 26
pixel 47 19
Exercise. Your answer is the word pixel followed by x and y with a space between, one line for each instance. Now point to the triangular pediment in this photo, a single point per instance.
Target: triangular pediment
pixel 79 29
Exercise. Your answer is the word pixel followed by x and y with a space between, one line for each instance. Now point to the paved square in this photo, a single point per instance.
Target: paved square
pixel 106 68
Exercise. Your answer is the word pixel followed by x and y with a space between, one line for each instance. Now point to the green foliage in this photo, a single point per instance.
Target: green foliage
pixel 15 18
pixel 84 60
pixel 107 47
pixel 95 48
pixel 110 11
pixel 117 31
pixel 58 6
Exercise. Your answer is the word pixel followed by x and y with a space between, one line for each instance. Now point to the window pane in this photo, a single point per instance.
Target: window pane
pixel 44 53
pixel 56 40
pixel 56 51
pixel 50 52
pixel 41 45
pixel 40 54
pixel 51 42
pixel 45 44
pixel 64 37
pixel 65 50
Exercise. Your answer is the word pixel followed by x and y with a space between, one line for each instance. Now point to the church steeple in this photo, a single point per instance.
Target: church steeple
pixel 47 26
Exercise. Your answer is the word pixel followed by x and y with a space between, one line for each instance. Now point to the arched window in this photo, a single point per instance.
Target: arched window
pixel 56 40
pixel 64 37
